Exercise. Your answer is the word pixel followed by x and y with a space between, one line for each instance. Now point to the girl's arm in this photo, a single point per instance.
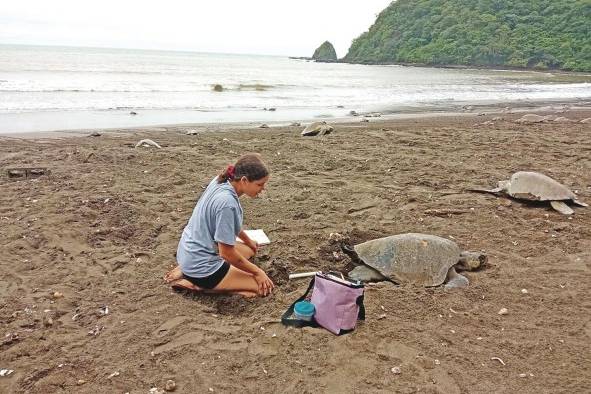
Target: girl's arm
pixel 229 253
pixel 248 242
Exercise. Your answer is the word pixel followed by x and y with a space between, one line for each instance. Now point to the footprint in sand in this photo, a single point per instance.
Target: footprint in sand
pixel 169 325
pixel 588 329
pixel 344 376
pixel 229 345
pixel 265 347
pixel 423 370
pixel 12 283
pixel 190 338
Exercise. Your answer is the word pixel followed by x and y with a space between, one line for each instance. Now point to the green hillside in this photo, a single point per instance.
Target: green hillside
pixel 540 34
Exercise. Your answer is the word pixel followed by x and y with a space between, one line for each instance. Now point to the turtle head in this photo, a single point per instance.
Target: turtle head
pixel 471 261
pixel 349 250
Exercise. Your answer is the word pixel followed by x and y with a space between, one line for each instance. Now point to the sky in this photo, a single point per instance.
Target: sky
pixel 273 27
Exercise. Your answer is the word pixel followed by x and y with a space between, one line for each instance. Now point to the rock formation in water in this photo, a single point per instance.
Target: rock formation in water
pixel 325 53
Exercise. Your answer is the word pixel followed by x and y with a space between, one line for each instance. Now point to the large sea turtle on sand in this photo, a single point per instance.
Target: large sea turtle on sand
pixel 533 186
pixel 422 259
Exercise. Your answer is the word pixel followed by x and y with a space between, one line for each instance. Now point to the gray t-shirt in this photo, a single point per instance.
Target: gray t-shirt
pixel 217 217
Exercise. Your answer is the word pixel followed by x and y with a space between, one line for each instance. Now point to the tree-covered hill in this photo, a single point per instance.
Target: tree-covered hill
pixel 541 34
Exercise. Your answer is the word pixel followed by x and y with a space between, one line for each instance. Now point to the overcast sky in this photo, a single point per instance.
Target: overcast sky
pixel 272 27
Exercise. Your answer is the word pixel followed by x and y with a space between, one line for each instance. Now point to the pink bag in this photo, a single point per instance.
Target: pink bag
pixel 338 303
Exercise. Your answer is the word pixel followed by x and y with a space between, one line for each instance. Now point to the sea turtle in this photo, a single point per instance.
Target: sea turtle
pixel 422 259
pixel 533 186
pixel 317 128
pixel 147 143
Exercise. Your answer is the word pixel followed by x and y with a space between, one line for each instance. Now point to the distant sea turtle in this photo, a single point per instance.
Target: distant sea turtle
pixel 534 186
pixel 422 259
pixel 317 128
pixel 147 143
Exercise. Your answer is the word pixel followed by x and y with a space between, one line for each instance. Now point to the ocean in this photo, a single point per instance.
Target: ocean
pixel 63 88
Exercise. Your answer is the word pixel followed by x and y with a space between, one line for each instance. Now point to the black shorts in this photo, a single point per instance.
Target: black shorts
pixel 211 281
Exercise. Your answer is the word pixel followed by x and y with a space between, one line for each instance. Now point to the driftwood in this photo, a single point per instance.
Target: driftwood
pixel 446 212
pixel 26 172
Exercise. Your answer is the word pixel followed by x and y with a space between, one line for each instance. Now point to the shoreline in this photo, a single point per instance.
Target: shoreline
pixel 491 108
pixel 463 67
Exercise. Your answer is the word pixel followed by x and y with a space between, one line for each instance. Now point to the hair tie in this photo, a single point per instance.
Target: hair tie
pixel 230 172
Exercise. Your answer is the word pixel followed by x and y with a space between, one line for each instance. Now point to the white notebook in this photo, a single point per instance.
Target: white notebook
pixel 257 235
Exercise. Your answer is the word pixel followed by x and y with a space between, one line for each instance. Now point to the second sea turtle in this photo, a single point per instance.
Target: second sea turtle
pixel 534 186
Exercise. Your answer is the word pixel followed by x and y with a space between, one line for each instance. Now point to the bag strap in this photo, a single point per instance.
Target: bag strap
pixel 296 322
pixel 361 314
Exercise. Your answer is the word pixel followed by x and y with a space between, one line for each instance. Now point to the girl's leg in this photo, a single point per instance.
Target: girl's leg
pixel 176 274
pixel 184 284
pixel 238 281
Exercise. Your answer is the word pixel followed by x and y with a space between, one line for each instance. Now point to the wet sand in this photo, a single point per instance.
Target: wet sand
pixel 102 228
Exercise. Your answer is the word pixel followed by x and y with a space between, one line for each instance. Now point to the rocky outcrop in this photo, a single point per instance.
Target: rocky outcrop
pixel 325 53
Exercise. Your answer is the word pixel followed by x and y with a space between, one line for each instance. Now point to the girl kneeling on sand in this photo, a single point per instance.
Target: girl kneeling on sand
pixel 208 256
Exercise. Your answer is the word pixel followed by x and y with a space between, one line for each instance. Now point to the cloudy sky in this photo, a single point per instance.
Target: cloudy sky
pixel 272 27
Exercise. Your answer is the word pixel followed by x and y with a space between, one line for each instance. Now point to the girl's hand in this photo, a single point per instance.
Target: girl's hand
pixel 265 284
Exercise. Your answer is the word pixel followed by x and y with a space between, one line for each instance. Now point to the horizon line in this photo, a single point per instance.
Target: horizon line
pixel 142 49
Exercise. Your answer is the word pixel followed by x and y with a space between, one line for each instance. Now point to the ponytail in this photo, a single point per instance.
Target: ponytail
pixel 250 165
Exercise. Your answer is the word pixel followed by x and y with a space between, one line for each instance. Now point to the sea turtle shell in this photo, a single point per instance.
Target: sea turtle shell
pixel 538 187
pixel 421 259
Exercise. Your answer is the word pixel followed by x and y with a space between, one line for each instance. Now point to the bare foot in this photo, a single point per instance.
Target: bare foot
pixel 247 294
pixel 173 274
pixel 183 284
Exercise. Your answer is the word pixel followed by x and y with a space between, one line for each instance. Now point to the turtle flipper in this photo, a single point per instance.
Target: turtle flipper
pixel 365 273
pixel 580 203
pixel 562 207
pixel 496 190
pixel 455 280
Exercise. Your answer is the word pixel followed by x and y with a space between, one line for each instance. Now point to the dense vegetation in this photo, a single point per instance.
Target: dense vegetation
pixel 541 34
pixel 325 52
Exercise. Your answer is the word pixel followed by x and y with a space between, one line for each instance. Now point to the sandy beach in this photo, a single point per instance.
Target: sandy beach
pixel 83 307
